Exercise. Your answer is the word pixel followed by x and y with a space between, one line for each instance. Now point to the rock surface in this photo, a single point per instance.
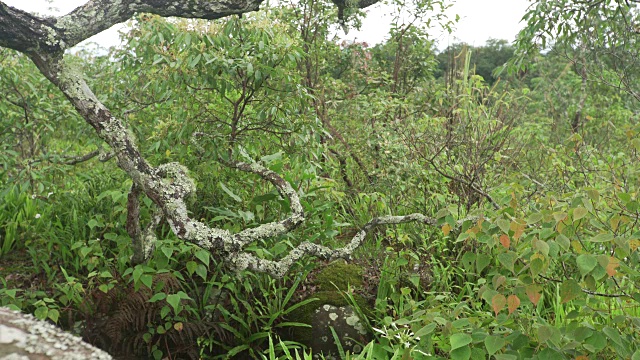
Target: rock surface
pixel 22 337
pixel 347 326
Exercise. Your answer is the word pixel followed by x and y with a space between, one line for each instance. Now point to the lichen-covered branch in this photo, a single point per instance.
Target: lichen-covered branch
pixel 279 268
pixel 29 33
pixel 44 41
pixel 274 228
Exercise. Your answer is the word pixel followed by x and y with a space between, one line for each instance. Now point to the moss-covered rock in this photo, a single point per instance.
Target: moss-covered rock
pixel 332 281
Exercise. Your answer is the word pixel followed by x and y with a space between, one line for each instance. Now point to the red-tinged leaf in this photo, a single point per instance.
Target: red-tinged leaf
pixel 498 302
pixel 569 290
pixel 505 241
pixel 178 326
pixel 611 267
pixel 513 302
pixel 582 357
pixel 533 293
pixel 498 280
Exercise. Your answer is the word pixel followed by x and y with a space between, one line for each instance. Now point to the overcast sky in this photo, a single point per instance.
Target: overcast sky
pixel 479 21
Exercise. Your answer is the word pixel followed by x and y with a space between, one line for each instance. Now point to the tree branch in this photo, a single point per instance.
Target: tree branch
pixel 29 33
pixel 167 185
pixel 279 268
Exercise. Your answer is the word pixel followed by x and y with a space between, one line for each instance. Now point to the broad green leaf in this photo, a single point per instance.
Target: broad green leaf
pixel 191 267
pixel 53 314
pixel 41 312
pixel 563 241
pixel 508 259
pixel 494 343
pixel 569 290
pixel 534 218
pixel 545 333
pixel 462 353
pixel 158 297
pixel 482 260
pixel 602 237
pixel 613 334
pixel 460 340
pixel 468 261
pixel 426 330
pixel 579 213
pixel 504 225
pixel 174 301
pixel 586 263
pixel 595 342
pixel 203 256
pixel 147 280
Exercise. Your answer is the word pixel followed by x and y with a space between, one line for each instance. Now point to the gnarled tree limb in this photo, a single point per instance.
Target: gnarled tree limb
pixel 44 41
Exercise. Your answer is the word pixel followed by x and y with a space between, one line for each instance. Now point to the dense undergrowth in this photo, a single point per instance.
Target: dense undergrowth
pixel 535 254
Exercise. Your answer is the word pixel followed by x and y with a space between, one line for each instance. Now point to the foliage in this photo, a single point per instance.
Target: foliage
pixel 531 184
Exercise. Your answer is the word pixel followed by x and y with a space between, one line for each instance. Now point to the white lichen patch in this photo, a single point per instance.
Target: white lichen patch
pixel 176 175
pixel 9 335
pixel 354 322
pixel 72 82
pixel 333 316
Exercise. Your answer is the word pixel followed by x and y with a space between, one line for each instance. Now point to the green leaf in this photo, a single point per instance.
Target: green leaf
pixel 595 342
pixel 203 256
pixel 53 314
pixel 230 193
pixel 92 223
pixel 505 357
pixel 158 297
pixel 201 271
pixel 504 225
pixel 460 340
pixel 147 280
pixel 493 344
pixel 534 218
pixel 586 263
pixel 191 267
pixel 468 261
pixel 602 237
pixel 426 330
pixel 195 61
pixel 174 301
pixel 613 334
pixel 545 333
pixel 563 241
pixel 508 259
pixel 167 251
pixel 569 290
pixel 41 312
pixel 579 213
pixel 482 261
pixel 462 353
